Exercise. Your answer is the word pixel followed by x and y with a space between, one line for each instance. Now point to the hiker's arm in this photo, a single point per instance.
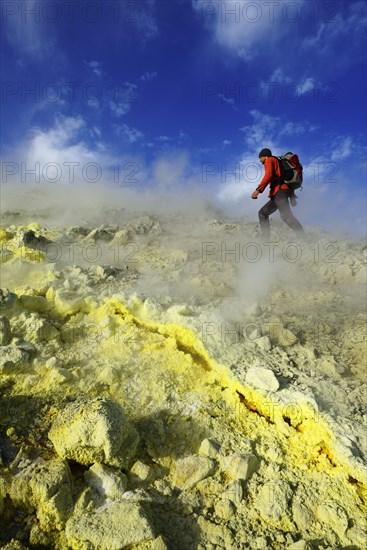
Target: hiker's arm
pixel 270 171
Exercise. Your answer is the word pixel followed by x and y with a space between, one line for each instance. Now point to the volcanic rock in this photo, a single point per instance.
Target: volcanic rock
pixel 94 431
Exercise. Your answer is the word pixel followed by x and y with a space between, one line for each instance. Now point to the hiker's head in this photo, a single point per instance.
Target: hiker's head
pixel 264 153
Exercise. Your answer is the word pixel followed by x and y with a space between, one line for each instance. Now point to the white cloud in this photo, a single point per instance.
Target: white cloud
pixel 279 76
pixel 229 100
pixel 307 84
pixel 314 40
pixel 128 134
pixel 296 129
pixel 168 142
pixel 95 66
pixel 332 165
pixel 119 108
pixel 148 76
pixel 341 25
pixel 142 13
pixel 345 27
pixel 266 130
pixel 259 133
pixel 123 98
pixel 344 148
pixel 225 143
pixel 139 14
pixel 96 131
pixel 29 36
pixel 164 138
pixel 243 26
pixel 225 99
pixel 61 152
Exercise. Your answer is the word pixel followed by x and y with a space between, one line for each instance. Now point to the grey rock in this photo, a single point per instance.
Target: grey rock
pixel 47 488
pixel 261 543
pixel 104 271
pixel 30 240
pixel 5 331
pixel 240 466
pixel 280 335
pixel 192 469
pixel 262 378
pixel 357 535
pixel 332 514
pixel 234 492
pixel 114 526
pixel 12 359
pixel 225 508
pixel 144 225
pixel 300 545
pixel 100 234
pixel 34 303
pixel 37 329
pixel 94 431
pixel 141 472
pixel 7 299
pixel 273 499
pixel 124 236
pixel 78 230
pixel 264 343
pixel 209 448
pixel 108 482
pixel 14 545
pixel 254 335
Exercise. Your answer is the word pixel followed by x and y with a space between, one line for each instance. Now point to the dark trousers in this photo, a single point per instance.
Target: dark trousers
pixel 279 201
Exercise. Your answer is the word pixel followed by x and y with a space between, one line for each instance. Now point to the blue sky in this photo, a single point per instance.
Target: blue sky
pixel 185 93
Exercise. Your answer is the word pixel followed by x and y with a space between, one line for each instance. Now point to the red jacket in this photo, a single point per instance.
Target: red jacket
pixel 272 172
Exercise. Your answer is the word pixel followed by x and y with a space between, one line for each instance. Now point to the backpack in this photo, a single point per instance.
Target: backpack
pixel 291 170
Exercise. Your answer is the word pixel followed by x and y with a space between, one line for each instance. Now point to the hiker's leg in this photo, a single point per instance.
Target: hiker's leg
pixel 264 214
pixel 282 202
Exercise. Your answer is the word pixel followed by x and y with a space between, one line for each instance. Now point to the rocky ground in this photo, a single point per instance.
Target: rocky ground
pixel 174 382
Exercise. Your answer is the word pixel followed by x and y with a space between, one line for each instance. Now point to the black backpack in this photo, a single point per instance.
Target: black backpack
pixel 291 170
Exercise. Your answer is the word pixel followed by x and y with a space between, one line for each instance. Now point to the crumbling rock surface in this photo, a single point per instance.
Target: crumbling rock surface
pixel 47 488
pixel 114 526
pixel 159 385
pixel 94 431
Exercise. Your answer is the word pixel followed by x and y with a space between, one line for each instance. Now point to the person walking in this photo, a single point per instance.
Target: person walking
pixel 280 194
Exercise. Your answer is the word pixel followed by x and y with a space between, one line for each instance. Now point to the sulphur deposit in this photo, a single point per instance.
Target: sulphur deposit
pixel 172 382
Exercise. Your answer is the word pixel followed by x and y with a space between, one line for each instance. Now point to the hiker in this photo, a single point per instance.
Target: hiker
pixel 280 195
